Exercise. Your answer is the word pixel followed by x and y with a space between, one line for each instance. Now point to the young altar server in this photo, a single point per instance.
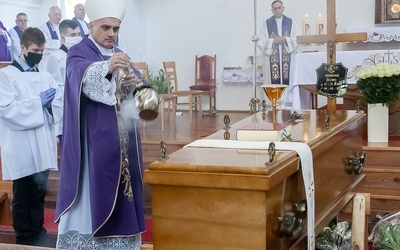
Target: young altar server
pixel 55 62
pixel 30 105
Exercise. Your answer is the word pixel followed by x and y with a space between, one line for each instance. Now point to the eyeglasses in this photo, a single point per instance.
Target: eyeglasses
pixel 22 21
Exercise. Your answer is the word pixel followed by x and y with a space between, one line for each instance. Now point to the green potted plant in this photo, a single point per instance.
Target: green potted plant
pixel 379 85
pixel 158 81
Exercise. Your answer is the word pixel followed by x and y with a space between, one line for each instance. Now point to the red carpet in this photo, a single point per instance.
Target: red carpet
pixel 52 227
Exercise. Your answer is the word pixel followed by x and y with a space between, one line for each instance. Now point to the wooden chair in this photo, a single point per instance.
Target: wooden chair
pixel 194 96
pixel 205 78
pixel 142 67
pixel 169 99
pixel 4 64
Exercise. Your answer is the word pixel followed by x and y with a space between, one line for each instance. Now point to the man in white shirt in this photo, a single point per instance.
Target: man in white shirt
pixel 80 14
pixel 21 24
pixel 55 62
pixel 51 31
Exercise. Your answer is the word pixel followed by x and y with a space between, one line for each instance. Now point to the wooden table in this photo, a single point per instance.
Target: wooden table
pixel 229 199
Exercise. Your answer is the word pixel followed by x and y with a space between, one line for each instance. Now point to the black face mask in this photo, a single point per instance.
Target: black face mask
pixel 32 59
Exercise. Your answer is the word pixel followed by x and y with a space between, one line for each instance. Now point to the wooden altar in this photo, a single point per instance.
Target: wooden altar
pixel 206 198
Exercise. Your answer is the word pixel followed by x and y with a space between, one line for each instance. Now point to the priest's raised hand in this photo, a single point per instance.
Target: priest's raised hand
pixel 118 60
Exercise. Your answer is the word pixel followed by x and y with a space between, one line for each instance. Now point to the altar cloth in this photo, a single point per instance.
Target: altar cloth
pixel 241 75
pixel 379 34
pixel 305 65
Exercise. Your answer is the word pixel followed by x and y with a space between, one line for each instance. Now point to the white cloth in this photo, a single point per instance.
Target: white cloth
pixel 51 44
pixel 379 34
pixel 25 125
pixel 15 47
pixel 306 161
pixel 55 63
pixel 305 65
pixel 84 25
pixel 241 75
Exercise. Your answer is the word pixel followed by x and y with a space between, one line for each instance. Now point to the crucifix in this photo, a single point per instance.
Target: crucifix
pixel 331 38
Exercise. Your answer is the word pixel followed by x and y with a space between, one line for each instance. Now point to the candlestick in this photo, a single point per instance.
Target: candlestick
pixel 320 25
pixel 306 26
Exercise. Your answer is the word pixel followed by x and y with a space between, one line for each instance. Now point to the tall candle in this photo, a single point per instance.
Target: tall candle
pixel 320 25
pixel 306 26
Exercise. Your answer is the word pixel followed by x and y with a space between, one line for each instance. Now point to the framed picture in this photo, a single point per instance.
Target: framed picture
pixel 387 11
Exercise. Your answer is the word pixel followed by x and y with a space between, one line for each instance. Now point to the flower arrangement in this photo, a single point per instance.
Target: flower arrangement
pixel 380 83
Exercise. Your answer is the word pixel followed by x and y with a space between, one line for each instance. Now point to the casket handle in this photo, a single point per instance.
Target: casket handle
pixel 354 164
pixel 292 223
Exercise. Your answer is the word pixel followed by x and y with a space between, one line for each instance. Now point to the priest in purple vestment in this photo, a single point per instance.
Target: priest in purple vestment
pixel 5 43
pixel 100 199
pixel 21 24
pixel 79 18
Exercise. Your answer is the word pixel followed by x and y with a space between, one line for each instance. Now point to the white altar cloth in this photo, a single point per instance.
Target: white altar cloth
pixel 379 34
pixel 305 65
pixel 241 75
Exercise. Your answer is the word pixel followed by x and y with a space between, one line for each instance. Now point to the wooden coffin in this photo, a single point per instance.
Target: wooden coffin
pixel 208 198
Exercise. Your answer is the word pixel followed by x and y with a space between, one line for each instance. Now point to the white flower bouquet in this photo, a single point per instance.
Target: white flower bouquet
pixel 380 83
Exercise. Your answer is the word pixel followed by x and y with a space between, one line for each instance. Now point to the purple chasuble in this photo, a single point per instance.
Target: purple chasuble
pixel 113 214
pixel 53 32
pixel 5 54
pixel 279 67
pixel 19 31
pixel 80 26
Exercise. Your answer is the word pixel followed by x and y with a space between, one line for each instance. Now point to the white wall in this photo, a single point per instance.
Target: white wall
pixel 162 30
pixel 180 29
pixel 10 8
pixel 133 30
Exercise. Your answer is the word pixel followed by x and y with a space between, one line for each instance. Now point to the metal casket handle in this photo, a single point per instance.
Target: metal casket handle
pixel 355 164
pixel 292 223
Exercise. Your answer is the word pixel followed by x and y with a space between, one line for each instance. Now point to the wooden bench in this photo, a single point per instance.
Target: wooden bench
pixel 5 210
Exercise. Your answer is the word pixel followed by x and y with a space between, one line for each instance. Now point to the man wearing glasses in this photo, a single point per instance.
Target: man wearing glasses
pixel 16 32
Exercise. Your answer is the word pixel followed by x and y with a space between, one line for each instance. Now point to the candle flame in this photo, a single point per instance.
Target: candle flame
pixel 319 15
pixel 306 16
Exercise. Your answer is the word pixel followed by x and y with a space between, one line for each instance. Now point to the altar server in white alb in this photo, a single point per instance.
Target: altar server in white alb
pixel 55 62
pixel 30 105
pixel 277 41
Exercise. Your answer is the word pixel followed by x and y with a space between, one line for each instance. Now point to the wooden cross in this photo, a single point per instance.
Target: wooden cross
pixel 331 38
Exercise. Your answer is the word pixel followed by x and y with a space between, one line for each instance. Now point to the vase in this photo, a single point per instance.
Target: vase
pixel 378 123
